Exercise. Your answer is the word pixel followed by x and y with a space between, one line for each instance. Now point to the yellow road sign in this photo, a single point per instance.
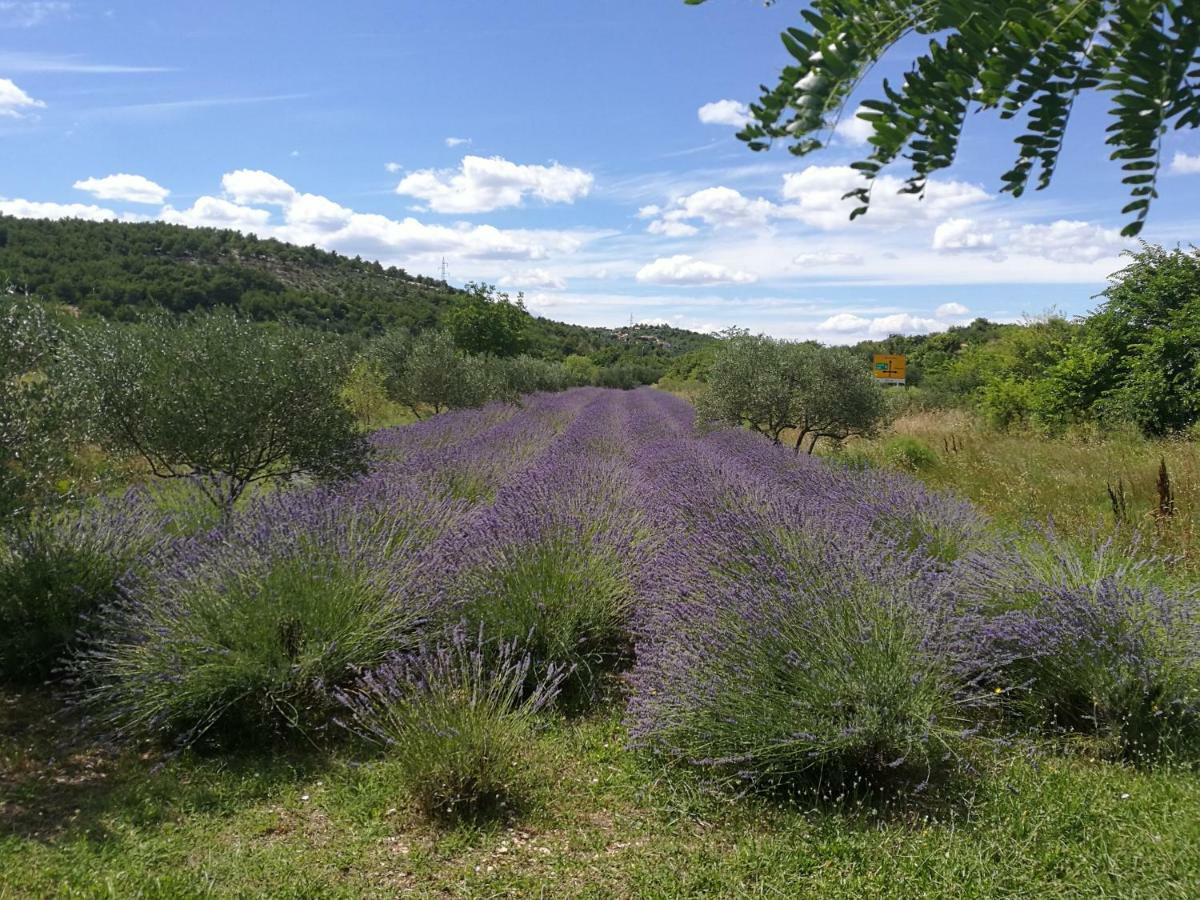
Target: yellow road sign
pixel 889 368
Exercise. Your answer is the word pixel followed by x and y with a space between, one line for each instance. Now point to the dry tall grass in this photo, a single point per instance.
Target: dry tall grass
pixel 1019 478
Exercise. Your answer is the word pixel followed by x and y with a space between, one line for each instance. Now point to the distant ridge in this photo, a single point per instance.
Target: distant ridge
pixel 119 269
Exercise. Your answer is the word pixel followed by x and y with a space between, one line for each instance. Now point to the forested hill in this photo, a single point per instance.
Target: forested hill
pixel 119 269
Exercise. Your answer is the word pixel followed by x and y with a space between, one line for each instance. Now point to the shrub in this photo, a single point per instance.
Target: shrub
pixel 36 413
pixel 909 454
pixel 580 370
pixel 458 719
pixel 431 372
pixel 57 570
pixel 852 459
pixel 364 393
pixel 1007 403
pixel 809 666
pixel 242 634
pixel 565 603
pixel 527 375
pixel 1084 643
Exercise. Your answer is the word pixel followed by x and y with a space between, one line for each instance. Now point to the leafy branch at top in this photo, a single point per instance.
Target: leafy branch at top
pixel 1028 58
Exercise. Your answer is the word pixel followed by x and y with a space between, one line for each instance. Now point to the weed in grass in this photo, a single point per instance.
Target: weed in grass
pixel 909 454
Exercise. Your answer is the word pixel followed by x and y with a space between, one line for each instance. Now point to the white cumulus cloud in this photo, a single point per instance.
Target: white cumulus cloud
pixel 962 234
pixel 32 209
pixel 844 323
pixel 122 186
pixel 720 207
pixel 457 141
pixel 250 186
pixel 14 102
pixel 850 327
pixel 724 112
pixel 213 212
pixel 482 184
pixel 816 194
pixel 684 269
pixel 1067 241
pixel 534 279
pixel 1182 164
pixel 854 130
pixel 830 258
pixel 393 167
pixel 951 310
pixel 904 323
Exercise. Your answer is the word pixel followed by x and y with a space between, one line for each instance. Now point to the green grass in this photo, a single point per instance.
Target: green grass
pixel 78 822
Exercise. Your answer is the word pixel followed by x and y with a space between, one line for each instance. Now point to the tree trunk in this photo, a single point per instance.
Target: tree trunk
pixel 813 445
pixel 800 440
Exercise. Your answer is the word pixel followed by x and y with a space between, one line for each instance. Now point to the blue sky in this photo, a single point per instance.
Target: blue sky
pixel 580 152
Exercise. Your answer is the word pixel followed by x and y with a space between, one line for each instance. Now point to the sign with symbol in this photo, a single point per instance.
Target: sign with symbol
pixel 889 369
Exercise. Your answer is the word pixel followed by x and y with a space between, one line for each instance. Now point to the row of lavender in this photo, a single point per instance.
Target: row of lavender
pixel 804 621
pixel 777 618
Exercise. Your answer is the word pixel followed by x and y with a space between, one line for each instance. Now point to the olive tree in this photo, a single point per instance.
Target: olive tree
pixel 1022 58
pixel 35 410
pixel 839 400
pixel 774 386
pixel 431 372
pixel 753 381
pixel 220 401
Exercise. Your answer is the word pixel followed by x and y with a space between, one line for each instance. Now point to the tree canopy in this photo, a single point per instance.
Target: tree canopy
pixel 220 401
pixel 484 321
pixel 1029 58
pixel 773 386
pixel 35 409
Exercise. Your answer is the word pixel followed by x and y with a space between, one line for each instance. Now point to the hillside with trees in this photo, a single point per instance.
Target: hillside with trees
pixel 121 270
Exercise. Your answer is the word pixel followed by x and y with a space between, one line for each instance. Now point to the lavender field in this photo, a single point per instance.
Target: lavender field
pixel 770 619
pixel 749 624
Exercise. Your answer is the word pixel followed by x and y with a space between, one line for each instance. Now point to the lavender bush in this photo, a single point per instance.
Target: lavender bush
pixel 57 569
pixel 243 633
pixel 457 719
pixel 1083 642
pixel 806 658
pixel 551 563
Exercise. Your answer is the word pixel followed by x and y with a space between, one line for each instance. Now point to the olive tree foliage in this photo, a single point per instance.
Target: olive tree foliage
pixel 528 375
pixel 220 401
pixel 35 408
pixel 753 381
pixel 774 386
pixel 841 399
pixel 1025 58
pixel 430 372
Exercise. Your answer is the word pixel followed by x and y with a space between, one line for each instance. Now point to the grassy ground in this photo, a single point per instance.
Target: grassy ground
pixel 1021 478
pixel 80 822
